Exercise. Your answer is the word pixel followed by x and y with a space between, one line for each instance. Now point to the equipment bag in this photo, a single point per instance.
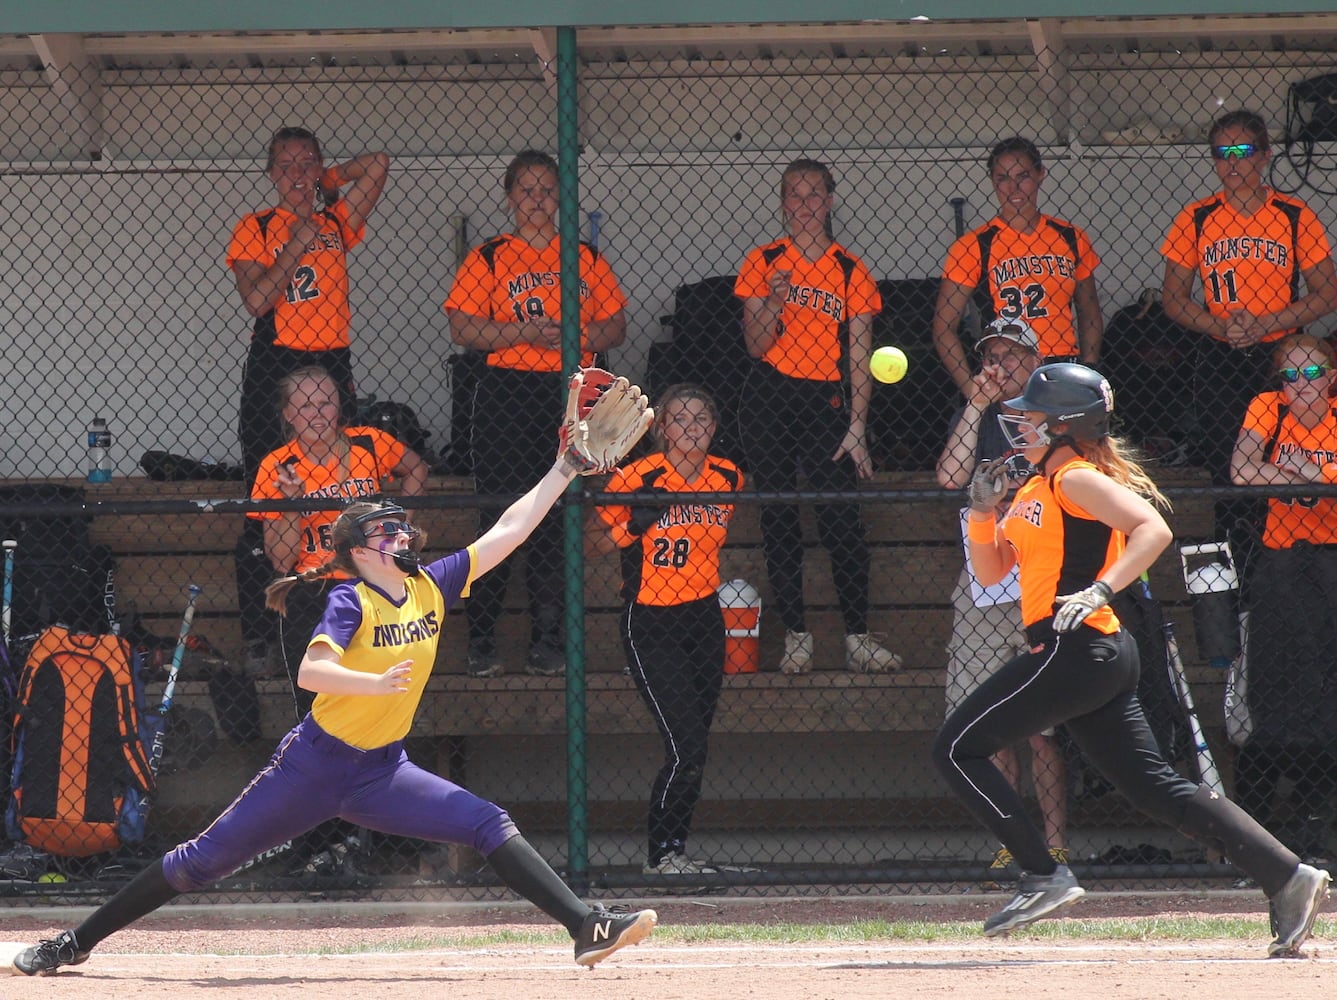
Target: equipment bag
pixel 1311 110
pixel 80 778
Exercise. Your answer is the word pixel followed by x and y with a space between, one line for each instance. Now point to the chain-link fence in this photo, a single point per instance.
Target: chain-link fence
pixel 752 226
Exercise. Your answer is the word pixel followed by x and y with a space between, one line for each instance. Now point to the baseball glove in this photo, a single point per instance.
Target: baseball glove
pixel 605 416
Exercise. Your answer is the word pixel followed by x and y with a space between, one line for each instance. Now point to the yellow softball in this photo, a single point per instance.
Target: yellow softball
pixel 888 364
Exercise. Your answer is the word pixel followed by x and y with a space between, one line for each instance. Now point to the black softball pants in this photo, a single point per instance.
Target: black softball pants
pixel 1088 682
pixel 676 657
pixel 1225 380
pixel 515 419
pixel 790 426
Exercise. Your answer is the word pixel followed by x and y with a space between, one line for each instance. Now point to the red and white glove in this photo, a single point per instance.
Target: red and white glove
pixel 605 416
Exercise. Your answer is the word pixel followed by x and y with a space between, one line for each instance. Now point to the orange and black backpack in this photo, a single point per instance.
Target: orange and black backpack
pixel 80 775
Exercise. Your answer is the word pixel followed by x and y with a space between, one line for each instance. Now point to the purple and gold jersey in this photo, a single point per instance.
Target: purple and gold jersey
pixel 372 633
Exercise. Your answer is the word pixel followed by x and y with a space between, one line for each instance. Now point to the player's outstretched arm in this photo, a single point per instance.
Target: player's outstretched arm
pixel 522 517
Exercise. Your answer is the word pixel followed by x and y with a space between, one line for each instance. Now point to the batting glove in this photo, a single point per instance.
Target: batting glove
pixel 644 516
pixel 988 486
pixel 1073 609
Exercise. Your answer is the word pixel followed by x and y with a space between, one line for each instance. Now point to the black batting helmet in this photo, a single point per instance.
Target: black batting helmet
pixel 1071 394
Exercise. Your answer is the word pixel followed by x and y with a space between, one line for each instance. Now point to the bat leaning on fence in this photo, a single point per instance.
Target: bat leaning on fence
pixel 8 614
pixel 1206 763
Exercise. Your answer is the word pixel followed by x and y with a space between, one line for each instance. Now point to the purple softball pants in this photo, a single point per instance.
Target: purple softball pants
pixel 314 777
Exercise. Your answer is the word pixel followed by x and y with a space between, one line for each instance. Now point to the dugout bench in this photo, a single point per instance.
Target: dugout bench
pixel 916 557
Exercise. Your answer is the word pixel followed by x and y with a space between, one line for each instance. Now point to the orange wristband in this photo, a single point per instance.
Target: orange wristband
pixel 982 532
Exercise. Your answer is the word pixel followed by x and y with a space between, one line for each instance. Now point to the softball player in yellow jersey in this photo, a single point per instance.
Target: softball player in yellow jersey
pixel 368 662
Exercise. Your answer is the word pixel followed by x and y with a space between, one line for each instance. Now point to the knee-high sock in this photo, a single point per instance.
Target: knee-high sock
pixel 146 892
pixel 525 872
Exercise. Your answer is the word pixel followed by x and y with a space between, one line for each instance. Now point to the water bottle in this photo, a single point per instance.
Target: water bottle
pixel 99 452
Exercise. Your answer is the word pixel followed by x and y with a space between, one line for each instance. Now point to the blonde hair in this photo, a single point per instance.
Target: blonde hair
pixel 1117 459
pixel 1304 340
pixel 288 387
pixel 808 166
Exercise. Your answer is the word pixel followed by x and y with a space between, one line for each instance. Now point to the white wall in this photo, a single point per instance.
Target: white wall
pixel 114 299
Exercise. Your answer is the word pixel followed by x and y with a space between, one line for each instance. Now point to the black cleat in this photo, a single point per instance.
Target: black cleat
pixel 604 933
pixel 45 957
pixel 1037 896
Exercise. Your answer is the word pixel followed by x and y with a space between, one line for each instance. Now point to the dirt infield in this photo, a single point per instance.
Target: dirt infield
pixel 506 952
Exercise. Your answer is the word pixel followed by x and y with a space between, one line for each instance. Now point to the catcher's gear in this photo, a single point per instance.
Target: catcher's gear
pixel 605 416
pixel 1072 609
pixel 988 485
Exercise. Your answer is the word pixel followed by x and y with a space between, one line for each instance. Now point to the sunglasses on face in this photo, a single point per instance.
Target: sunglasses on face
pixel 388 529
pixel 1311 373
pixel 1237 151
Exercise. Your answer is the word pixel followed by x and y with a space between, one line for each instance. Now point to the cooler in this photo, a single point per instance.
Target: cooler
pixel 741 605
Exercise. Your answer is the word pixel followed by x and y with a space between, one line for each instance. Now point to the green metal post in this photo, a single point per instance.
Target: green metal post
pixel 568 226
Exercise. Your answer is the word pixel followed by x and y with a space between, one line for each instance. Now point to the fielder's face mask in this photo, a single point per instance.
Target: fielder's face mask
pixel 379 529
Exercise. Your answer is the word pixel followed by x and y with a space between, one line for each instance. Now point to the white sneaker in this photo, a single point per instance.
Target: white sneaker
pixel 679 864
pixel 865 655
pixel 798 653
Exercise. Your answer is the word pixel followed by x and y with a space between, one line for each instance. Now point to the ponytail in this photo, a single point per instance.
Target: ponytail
pixel 1118 460
pixel 276 594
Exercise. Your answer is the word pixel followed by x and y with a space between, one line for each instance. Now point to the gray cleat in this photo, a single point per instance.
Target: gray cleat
pixel 1294 908
pixel 1037 896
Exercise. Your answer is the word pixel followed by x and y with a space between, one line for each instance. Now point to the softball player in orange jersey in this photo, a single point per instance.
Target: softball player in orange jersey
pixel 1032 267
pixel 506 300
pixel 673 630
pixel 1080 529
pixel 808 308
pixel 291 268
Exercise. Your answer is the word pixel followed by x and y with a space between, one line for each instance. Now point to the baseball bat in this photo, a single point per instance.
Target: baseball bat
pixel 971 320
pixel 1206 763
pixel 959 213
pixel 10 545
pixel 178 655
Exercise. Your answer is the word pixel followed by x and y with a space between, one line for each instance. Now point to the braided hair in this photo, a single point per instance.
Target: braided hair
pixel 344 534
